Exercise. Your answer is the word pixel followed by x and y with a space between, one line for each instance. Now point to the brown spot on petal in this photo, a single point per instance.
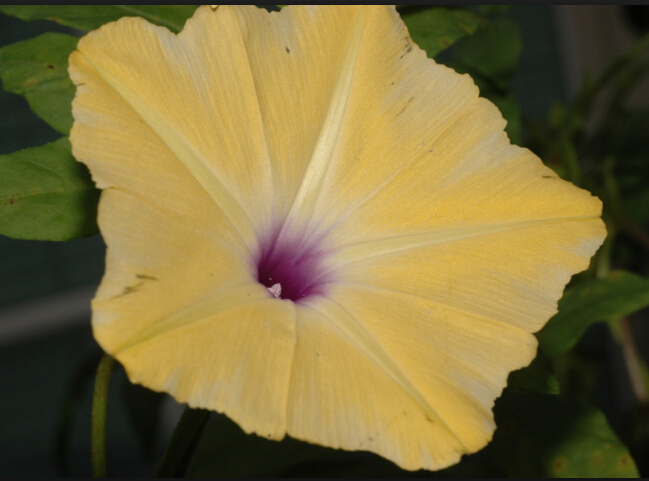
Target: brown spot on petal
pixel 144 276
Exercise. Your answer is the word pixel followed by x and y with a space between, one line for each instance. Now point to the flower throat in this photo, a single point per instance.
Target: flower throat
pixel 290 270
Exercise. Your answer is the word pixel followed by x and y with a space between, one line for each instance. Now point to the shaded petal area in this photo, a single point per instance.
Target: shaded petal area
pixel 395 388
pixel 303 62
pixel 181 311
pixel 235 358
pixel 341 397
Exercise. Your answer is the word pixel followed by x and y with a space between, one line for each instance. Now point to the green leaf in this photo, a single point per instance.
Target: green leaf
pixel 546 436
pixel 537 377
pixel 493 52
pixel 435 29
pixel 37 69
pixel 620 294
pixel 45 194
pixel 90 17
pixel 182 444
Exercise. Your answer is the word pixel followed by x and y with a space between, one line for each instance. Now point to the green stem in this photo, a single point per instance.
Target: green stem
pixel 75 393
pixel 633 361
pixel 99 409
pixel 183 441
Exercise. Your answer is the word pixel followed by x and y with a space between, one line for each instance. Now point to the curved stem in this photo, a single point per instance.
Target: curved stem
pixel 182 444
pixel 632 360
pixel 66 418
pixel 99 409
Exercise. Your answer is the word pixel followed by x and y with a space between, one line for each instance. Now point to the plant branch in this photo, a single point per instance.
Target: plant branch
pixel 99 410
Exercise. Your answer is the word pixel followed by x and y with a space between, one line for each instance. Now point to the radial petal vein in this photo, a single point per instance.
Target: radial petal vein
pixel 348 324
pixel 357 252
pixel 468 367
pixel 437 302
pixel 325 146
pixel 239 220
pixel 217 239
pixel 202 308
pixel 268 174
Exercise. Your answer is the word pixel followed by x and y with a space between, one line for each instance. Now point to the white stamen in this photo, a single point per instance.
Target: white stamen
pixel 276 290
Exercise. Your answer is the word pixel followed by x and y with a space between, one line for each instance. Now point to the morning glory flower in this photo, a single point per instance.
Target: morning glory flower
pixel 316 230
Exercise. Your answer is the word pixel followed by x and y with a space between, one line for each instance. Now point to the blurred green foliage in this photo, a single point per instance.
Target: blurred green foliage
pixel 90 17
pixel 619 294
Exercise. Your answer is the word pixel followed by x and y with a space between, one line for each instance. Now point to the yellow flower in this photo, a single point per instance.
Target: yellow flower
pixel 316 230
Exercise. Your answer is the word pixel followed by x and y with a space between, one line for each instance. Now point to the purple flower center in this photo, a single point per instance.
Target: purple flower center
pixel 290 270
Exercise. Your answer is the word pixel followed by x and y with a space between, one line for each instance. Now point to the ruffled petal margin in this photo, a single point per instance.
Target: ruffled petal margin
pixel 444 246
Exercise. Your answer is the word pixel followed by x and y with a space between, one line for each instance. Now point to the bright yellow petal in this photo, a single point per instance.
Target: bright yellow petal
pixel 421 153
pixel 302 72
pixel 321 146
pixel 342 396
pixel 169 94
pixel 418 391
pixel 514 276
pixel 262 70
pixel 235 358
pixel 157 264
pixel 179 309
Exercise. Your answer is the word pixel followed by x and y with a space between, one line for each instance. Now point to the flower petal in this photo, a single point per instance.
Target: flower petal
pixel 421 153
pixel 302 75
pixel 318 140
pixel 132 96
pixel 418 391
pixel 235 360
pixel 342 397
pixel 180 311
pixel 513 276
pixel 150 252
